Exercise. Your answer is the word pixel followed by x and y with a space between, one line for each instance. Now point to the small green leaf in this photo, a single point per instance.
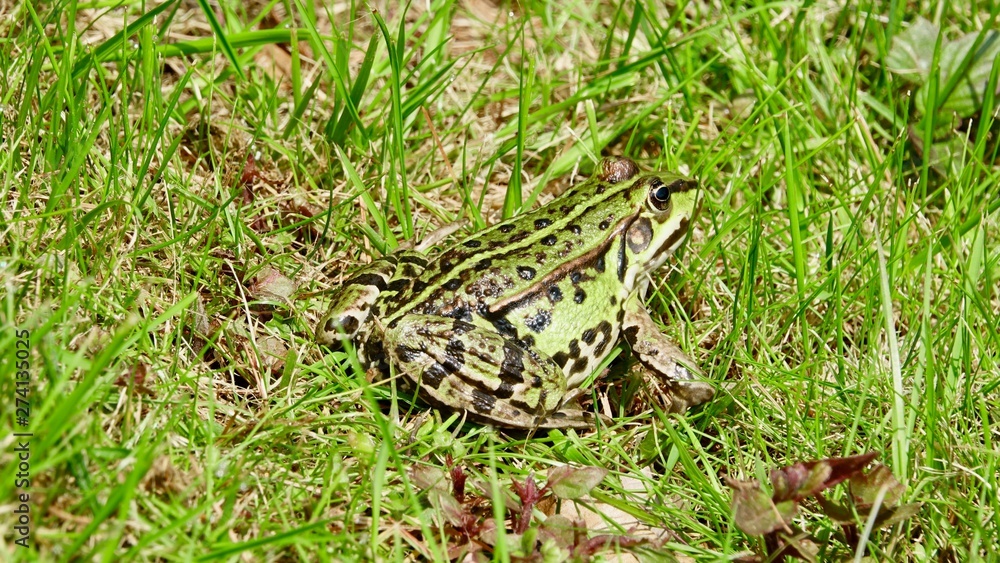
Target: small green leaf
pixel 912 51
pixel 965 65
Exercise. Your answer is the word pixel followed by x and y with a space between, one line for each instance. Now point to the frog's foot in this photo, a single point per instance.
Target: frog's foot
pixel 673 368
pixel 459 366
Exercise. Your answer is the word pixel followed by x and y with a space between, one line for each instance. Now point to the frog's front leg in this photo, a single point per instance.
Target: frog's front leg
pixel 351 305
pixel 456 365
pixel 664 358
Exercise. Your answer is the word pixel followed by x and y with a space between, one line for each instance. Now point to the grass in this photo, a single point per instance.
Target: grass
pixel 183 183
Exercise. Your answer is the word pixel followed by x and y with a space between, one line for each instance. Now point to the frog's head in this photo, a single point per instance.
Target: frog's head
pixel 663 205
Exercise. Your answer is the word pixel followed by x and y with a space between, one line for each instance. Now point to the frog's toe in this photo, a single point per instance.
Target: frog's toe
pixel 687 394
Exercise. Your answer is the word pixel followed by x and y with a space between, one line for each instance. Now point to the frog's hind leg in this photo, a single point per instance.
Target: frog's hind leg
pixel 459 366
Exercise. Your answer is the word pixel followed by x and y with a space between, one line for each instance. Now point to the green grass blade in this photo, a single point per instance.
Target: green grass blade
pixel 221 36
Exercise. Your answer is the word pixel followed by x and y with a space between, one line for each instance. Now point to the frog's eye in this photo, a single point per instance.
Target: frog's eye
pixel 659 194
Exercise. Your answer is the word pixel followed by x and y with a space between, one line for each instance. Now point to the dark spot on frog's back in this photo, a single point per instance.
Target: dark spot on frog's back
pixel 555 294
pixel 575 229
pixel 453 284
pixel 399 285
pixel 548 240
pixel 368 279
pixel 407 354
pixel 600 189
pixel 506 228
pixel 483 403
pixel 512 366
pixel 542 223
pixel 455 347
pixel 514 239
pixel 433 376
pixel 579 296
pixel 561 358
pixel 504 391
pixel 603 225
pixel 418 286
pixel 472 243
pixel 413 259
pixel 599 264
pixel 504 326
pixel 574 348
pixel 460 327
pixel 526 272
pixel 540 321
pixel 605 329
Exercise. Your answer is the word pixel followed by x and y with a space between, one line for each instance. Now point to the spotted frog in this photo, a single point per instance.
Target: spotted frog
pixel 510 322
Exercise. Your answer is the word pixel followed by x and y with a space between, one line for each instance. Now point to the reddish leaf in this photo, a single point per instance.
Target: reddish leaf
pixel 893 515
pixel 836 512
pixel 452 510
pixel 597 544
pixel 798 481
pixel 799 545
pixel 802 480
pixel 529 495
pixel 427 477
pixel 560 529
pixel 571 483
pixel 458 478
pixel 753 510
pixel 865 487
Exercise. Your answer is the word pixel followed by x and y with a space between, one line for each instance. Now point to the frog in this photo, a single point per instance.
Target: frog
pixel 507 324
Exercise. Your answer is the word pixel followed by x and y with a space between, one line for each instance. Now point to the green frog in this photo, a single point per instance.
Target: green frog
pixel 508 323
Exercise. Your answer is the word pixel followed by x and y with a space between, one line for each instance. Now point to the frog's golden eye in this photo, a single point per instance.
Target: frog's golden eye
pixel 659 194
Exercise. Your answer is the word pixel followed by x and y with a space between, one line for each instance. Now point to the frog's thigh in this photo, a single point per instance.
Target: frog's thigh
pixel 664 357
pixel 461 366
